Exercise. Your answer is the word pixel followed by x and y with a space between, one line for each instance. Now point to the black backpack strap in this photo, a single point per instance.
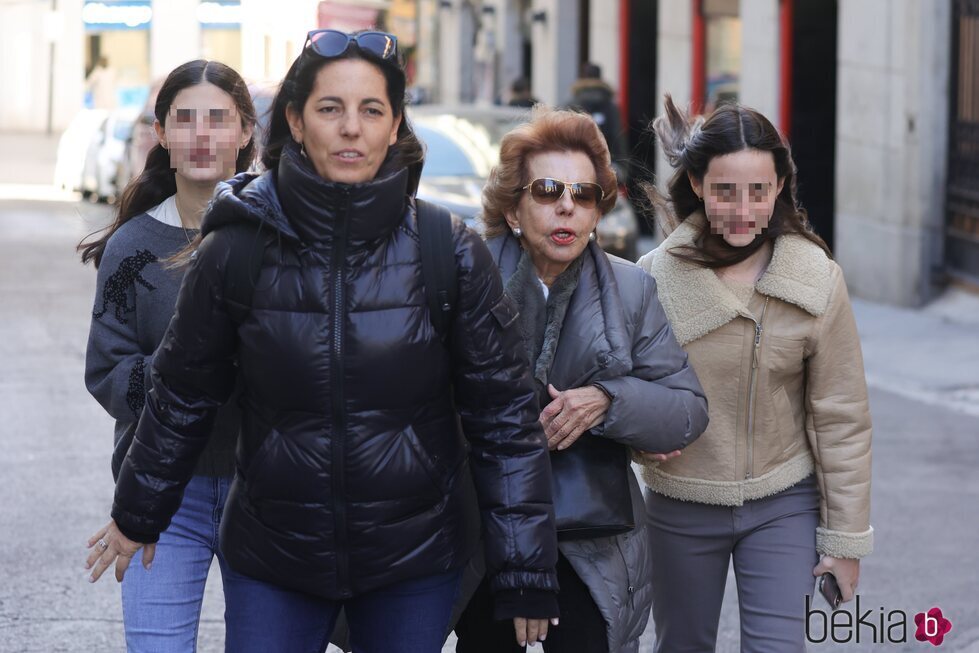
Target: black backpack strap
pixel 438 264
pixel 244 265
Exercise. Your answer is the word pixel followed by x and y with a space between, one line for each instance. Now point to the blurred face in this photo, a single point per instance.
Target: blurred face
pixel 347 123
pixel 739 192
pixel 203 133
pixel 555 233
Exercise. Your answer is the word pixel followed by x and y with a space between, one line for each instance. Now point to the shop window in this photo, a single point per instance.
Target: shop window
pixel 722 56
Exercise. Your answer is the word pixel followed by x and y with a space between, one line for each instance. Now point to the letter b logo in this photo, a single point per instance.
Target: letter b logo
pixel 932 626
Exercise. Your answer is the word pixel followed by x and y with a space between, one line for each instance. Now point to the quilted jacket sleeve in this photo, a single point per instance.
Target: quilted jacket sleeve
pixel 498 406
pixel 193 375
pixel 659 406
pixel 839 430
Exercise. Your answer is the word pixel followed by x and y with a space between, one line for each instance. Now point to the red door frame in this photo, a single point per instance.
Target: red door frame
pixel 699 64
pixel 785 67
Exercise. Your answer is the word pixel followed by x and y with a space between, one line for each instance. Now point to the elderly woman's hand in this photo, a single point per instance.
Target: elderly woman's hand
pixel 571 413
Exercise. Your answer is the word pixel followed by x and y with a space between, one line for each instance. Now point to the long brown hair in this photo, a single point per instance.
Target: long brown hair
pixel 158 180
pixel 689 144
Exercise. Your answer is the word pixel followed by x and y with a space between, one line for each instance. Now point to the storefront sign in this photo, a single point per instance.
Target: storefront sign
pixel 219 15
pixel 109 15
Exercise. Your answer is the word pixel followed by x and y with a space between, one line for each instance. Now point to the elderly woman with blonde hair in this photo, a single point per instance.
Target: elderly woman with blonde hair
pixel 609 374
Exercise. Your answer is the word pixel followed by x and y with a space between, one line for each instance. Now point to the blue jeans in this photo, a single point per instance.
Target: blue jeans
pixel 161 608
pixel 408 617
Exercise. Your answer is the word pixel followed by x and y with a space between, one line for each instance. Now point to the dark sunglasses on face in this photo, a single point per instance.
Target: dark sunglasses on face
pixel 585 194
pixel 333 43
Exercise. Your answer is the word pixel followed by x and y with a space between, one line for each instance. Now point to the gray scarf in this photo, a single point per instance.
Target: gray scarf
pixel 540 321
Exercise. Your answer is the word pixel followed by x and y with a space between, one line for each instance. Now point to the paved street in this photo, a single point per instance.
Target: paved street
pixel 55 485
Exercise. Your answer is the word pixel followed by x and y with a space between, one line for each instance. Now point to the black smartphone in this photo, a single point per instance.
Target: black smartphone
pixel 830 590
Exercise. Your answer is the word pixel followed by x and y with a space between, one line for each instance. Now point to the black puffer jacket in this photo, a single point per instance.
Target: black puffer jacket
pixel 352 470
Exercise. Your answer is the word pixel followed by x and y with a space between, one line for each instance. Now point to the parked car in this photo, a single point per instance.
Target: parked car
pixel 73 147
pixel 141 140
pixel 463 144
pixel 105 152
pixel 263 94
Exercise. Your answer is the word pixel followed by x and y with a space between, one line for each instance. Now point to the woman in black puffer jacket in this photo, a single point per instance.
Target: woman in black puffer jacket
pixel 355 484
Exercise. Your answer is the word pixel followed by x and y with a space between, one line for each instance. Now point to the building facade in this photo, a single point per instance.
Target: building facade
pixel 50 46
pixel 870 94
pixel 878 98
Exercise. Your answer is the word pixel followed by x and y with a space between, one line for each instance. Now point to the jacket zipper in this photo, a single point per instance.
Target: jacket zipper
pixel 628 576
pixel 339 418
pixel 751 390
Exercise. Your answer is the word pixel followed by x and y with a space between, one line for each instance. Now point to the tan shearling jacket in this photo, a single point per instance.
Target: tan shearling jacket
pixel 785 387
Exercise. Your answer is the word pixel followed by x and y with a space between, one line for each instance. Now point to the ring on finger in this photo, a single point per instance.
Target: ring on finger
pixel 102 544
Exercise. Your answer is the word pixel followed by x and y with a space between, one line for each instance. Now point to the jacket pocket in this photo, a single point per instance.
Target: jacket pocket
pixel 428 463
pixel 255 469
pixel 784 420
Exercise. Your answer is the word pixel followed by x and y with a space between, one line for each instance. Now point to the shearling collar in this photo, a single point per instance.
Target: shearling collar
pixel 697 302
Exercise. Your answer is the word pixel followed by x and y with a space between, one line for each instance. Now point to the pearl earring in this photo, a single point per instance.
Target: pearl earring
pixel 518 232
pixel 591 236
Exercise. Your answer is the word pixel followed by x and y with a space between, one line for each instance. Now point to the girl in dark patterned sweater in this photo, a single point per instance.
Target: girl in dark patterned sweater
pixel 204 122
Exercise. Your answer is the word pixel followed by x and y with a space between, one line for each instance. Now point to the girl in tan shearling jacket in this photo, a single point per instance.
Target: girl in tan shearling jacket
pixel 780 481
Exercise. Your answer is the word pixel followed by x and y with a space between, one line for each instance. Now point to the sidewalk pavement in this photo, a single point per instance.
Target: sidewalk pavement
pixel 929 354
pixel 28 158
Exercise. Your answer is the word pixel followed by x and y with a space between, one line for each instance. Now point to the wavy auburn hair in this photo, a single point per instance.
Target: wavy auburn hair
pixel 549 130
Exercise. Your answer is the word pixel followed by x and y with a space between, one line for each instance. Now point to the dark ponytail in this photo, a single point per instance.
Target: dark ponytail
pixel 158 180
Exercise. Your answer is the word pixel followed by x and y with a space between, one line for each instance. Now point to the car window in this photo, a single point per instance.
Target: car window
pixel 457 146
pixel 444 157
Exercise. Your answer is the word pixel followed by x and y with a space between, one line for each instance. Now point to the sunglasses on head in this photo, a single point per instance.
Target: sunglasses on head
pixel 333 43
pixel 585 194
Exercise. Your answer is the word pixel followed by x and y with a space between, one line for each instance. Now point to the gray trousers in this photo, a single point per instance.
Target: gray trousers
pixel 773 543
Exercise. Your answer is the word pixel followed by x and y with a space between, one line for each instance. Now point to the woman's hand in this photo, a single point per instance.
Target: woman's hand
pixel 846 571
pixel 571 413
pixel 111 545
pixel 531 631
pixel 650 457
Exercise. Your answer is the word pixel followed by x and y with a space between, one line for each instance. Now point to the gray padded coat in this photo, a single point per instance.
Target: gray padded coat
pixel 616 335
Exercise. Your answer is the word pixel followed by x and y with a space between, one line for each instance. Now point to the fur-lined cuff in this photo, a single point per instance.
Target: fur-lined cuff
pixel 840 544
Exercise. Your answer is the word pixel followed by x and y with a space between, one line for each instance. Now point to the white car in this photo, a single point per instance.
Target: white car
pixel 73 147
pixel 105 152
